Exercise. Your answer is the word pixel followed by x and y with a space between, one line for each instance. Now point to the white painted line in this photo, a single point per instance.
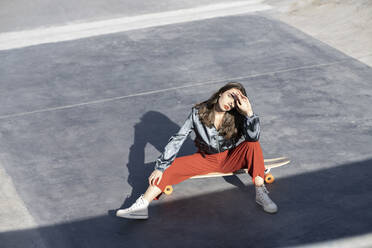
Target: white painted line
pixel 11 40
pixel 215 81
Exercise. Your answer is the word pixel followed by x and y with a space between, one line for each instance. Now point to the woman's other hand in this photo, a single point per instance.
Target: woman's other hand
pixel 156 175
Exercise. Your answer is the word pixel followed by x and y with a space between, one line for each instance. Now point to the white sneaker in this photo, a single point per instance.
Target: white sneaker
pixel 264 200
pixel 139 210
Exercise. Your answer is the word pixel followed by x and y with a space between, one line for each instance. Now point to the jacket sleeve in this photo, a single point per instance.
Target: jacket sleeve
pixel 251 130
pixel 174 144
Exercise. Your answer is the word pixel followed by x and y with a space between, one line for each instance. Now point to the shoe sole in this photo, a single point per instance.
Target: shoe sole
pixel 133 216
pixel 273 212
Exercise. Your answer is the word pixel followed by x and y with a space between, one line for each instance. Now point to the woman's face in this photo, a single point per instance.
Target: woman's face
pixel 226 102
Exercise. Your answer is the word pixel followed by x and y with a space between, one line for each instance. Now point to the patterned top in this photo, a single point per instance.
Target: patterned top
pixel 207 140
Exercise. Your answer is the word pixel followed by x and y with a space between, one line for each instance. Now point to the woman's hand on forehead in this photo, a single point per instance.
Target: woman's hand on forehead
pixel 242 103
pixel 236 92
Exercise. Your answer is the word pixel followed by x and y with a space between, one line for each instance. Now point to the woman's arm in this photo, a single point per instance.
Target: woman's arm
pixel 174 144
pixel 252 129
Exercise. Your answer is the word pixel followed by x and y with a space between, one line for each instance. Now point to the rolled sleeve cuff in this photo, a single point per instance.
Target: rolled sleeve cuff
pixel 161 166
pixel 251 118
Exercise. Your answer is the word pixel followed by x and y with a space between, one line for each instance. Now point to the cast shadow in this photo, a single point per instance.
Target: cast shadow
pixel 317 206
pixel 154 128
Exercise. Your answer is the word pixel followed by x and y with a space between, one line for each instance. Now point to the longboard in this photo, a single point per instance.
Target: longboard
pixel 269 178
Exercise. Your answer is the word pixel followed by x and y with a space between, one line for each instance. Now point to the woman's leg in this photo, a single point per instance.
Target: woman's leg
pixel 151 193
pixel 247 155
pixel 185 167
pixel 181 169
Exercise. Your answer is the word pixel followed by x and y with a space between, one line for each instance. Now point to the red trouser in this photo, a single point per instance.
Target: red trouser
pixel 245 155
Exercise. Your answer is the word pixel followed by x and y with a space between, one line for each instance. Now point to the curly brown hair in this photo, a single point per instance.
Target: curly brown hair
pixel 232 122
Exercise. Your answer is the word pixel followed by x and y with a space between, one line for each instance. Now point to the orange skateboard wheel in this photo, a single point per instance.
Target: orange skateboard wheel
pixel 269 178
pixel 168 190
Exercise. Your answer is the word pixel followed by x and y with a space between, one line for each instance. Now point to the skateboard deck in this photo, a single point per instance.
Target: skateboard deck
pixel 269 178
pixel 269 164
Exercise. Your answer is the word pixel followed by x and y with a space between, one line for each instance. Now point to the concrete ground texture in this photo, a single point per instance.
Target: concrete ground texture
pixel 91 91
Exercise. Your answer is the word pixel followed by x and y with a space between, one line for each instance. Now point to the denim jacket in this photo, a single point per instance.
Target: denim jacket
pixel 207 139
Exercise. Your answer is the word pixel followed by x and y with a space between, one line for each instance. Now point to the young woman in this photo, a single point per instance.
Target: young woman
pixel 227 133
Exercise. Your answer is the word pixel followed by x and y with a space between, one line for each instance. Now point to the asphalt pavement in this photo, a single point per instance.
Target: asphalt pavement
pixel 82 121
